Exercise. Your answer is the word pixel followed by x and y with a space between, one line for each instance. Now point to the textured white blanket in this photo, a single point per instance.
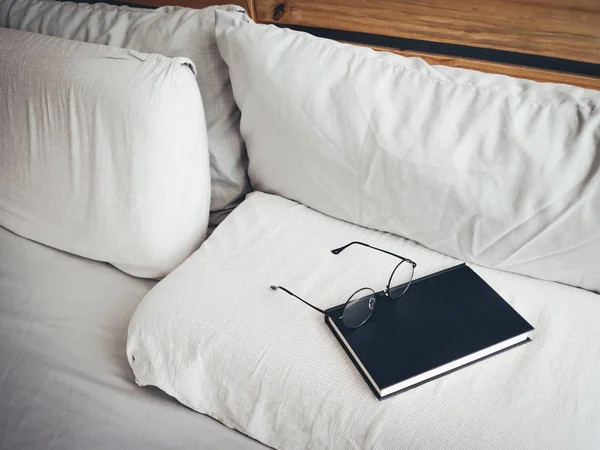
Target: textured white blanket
pixel 213 335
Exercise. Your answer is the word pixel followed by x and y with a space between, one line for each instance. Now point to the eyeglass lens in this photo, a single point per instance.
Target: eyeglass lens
pixel 359 308
pixel 400 279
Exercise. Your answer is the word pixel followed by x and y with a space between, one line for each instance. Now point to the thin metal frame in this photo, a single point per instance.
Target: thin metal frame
pixel 337 251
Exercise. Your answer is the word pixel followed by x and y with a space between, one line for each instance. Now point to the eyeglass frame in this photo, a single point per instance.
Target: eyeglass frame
pixel 386 291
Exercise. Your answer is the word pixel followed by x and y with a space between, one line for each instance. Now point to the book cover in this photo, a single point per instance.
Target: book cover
pixel 444 321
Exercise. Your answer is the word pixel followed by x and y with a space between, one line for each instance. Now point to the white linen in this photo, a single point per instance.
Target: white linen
pixel 171 31
pixel 489 169
pixel 216 337
pixel 101 152
pixel 64 378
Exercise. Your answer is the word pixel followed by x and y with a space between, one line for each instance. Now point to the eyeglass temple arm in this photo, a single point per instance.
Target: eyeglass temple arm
pixel 337 251
pixel 303 301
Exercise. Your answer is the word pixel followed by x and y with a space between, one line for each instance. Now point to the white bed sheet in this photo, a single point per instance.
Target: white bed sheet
pixel 215 336
pixel 64 378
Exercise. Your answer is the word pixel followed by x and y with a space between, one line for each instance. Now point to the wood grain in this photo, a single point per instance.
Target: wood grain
pixel 568 29
pixel 543 76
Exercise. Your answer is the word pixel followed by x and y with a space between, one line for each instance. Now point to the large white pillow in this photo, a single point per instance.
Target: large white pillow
pixel 213 335
pixel 102 151
pixel 489 169
pixel 170 31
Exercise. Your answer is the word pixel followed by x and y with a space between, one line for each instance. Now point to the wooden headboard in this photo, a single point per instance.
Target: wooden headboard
pixel 542 40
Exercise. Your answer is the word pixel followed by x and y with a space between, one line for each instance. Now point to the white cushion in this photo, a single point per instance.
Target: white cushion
pixel 214 335
pixel 170 31
pixel 102 151
pixel 486 168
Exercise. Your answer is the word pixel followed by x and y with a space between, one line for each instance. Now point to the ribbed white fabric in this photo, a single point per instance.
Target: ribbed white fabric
pixel 216 337
pixel 101 152
pixel 493 170
pixel 64 379
pixel 170 31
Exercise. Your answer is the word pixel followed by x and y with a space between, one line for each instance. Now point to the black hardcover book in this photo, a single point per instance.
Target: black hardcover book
pixel 444 321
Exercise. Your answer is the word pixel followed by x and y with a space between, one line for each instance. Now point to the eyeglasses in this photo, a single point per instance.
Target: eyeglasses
pixel 360 305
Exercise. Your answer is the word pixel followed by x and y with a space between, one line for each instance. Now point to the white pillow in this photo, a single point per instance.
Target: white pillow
pixel 102 151
pixel 486 168
pixel 213 335
pixel 170 31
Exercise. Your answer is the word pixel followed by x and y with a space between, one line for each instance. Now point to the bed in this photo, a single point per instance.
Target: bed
pixel 65 381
